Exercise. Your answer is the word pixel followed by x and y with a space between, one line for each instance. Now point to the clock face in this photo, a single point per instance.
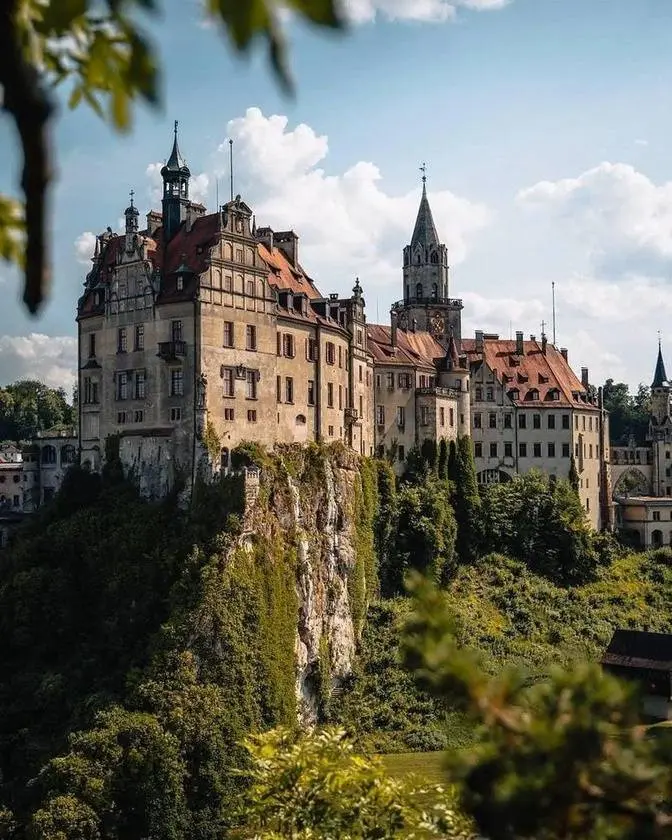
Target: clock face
pixel 437 323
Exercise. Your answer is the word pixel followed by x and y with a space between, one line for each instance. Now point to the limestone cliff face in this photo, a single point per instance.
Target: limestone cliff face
pixel 311 502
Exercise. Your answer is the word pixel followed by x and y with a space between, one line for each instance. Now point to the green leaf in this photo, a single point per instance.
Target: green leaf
pixel 119 105
pixel 75 97
pixel 59 15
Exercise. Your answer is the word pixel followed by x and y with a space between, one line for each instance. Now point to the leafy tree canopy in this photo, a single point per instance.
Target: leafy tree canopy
pixel 29 406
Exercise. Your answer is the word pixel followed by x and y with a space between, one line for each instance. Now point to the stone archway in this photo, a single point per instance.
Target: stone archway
pixel 631 483
pixel 657 538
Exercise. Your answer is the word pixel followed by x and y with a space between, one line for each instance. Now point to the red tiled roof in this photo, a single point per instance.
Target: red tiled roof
pixel 285 276
pixel 413 348
pixel 533 371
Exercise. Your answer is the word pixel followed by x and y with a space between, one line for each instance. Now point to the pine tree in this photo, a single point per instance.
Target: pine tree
pixel 443 459
pixel 452 460
pixel 573 476
pixel 429 452
pixel 467 502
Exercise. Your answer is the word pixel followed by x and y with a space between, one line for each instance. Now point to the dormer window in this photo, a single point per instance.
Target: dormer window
pixel 533 394
pixel 514 393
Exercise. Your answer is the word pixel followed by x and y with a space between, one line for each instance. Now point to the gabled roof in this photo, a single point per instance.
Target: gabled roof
pixel 424 232
pixel 413 348
pixel 534 375
pixel 283 275
pixel 639 649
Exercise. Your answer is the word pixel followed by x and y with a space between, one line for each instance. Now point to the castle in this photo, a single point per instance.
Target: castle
pixel 202 330
pixel 642 475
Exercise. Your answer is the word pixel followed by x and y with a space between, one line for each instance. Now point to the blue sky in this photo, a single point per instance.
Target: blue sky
pixel 545 125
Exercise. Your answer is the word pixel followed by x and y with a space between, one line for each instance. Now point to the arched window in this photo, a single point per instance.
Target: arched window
pixel 657 539
pixel 418 290
pixel 68 455
pixel 435 291
pixel 434 258
pixel 300 420
pixel 49 454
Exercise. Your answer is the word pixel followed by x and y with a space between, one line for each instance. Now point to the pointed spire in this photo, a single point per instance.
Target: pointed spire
pixel 424 231
pixel 659 377
pixel 451 354
pixel 176 163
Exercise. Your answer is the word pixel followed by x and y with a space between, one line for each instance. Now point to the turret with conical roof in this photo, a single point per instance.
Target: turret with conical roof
pixel 175 174
pixel 660 394
pixel 426 296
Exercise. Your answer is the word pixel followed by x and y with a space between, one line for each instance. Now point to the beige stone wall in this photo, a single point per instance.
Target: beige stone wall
pixel 395 407
pixel 588 456
pixel 333 385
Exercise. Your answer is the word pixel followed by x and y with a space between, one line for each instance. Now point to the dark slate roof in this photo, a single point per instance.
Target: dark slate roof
pixel 659 377
pixel 639 649
pixel 176 163
pixel 424 231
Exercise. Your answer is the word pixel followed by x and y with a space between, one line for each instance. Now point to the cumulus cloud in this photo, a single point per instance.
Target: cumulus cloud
pixel 434 11
pixel 85 245
pixel 51 359
pixel 348 223
pixel 618 213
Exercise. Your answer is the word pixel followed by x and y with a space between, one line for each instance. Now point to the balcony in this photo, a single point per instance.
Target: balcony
pixel 454 303
pixel 171 351
pixel 351 416
pixel 437 391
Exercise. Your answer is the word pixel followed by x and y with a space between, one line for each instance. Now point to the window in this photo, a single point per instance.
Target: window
pixel 92 345
pixel 121 417
pixel 380 415
pixel 479 393
pixel 175 414
pixel 537 450
pixel 331 353
pixel 493 450
pixel 340 397
pixel 451 416
pixel 176 383
pixel 239 251
pixel 228 334
pixel 536 421
pixel 656 516
pixel 361 406
pixel 16 500
pixel 359 337
pixel 478 450
pixel 583 423
pixel 311 392
pixel 122 385
pixel 251 415
pixel 340 357
pixel 138 416
pixel 330 431
pixel 389 377
pixel 492 420
pixel 442 416
pixel 140 379
pixel 477 421
pixel 565 450
pixel 229 382
pixel 140 337
pixel 551 421
pixel 179 283
pixel 330 394
pixel 176 330
pixel 122 340
pixel 278 388
pixel 576 422
pixel 551 450
pixel 522 450
pixel 590 424
pixel 401 416
pixel 401 453
pixel 508 450
pixel 289 389
pixel 90 391
pixel 489 394
pixel 522 421
pixel 424 415
pixel 360 372
pixel 251 337
pixel 565 421
pixel 508 421
pixel 251 382
pixel 288 345
pixel 49 454
pixel 311 349
pixel 590 450
pixel 250 288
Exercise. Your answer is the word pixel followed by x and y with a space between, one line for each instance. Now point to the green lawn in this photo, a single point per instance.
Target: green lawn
pixel 429 765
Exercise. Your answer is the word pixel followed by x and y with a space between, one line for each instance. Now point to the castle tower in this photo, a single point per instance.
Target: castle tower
pixel 660 392
pixel 131 215
pixel 175 174
pixel 426 304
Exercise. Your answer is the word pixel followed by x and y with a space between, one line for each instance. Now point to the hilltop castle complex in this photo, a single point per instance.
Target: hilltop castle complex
pixel 202 327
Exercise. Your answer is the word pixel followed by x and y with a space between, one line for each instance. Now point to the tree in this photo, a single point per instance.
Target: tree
pixel 452 460
pixel 443 459
pixel 467 502
pixel 573 475
pixel 628 415
pixel 317 786
pixel 102 54
pixel 29 406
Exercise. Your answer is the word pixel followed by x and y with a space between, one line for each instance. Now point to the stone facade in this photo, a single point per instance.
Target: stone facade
pixel 202 331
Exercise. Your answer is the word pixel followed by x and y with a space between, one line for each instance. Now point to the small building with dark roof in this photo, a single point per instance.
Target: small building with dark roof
pixel 645 658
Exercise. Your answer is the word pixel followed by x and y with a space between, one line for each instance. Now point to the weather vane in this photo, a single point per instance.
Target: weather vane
pixel 132 193
pixel 423 169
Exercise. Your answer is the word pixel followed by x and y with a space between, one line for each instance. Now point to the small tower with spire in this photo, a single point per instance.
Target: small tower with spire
pixel 176 175
pixel 131 214
pixel 425 276
pixel 660 393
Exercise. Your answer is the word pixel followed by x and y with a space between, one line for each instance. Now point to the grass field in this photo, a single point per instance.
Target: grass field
pixel 429 765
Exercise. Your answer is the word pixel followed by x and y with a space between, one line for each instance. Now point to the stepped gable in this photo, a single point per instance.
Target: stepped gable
pixel 535 375
pixel 413 348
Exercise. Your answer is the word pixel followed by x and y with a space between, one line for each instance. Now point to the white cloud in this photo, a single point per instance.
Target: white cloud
pixel 641 142
pixel 84 247
pixel 618 213
pixel 348 224
pixel 434 11
pixel 198 185
pixel 51 359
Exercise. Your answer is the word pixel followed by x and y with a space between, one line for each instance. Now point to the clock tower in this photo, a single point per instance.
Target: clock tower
pixel 426 304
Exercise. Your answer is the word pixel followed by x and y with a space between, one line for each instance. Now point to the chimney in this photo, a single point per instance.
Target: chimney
pixel 479 341
pixel 544 342
pixel 154 221
pixel 563 353
pixel 584 377
pixel 414 324
pixel 288 242
pixel 265 236
pixel 533 337
pixel 393 329
pixel 520 348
